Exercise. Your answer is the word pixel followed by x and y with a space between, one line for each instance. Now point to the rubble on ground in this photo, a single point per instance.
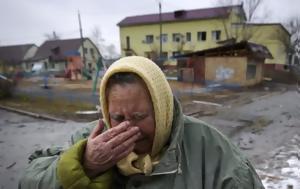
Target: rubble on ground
pixel 282 169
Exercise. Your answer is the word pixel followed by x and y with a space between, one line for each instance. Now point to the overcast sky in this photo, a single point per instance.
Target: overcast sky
pixel 27 21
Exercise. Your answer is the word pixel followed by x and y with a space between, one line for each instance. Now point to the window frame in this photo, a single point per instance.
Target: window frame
pixel 149 39
pixel 216 35
pixel 176 37
pixel 188 36
pixel 251 71
pixel 202 36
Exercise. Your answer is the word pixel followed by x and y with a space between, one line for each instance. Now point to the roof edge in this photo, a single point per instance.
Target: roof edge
pixel 169 12
pixel 271 23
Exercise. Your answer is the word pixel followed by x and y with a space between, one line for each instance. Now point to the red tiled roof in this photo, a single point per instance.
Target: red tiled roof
pixel 195 14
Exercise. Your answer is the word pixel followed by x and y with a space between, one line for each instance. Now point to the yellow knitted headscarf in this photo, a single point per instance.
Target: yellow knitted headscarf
pixel 162 99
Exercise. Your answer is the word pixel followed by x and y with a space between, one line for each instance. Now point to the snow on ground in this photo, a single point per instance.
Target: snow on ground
pixel 282 170
pixel 267 129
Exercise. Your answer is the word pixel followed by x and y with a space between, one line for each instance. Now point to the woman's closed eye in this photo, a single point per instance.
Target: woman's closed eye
pixel 135 117
pixel 118 118
pixel 139 116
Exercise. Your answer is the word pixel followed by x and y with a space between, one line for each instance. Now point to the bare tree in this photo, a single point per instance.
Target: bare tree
pixel 52 36
pixel 241 29
pixel 112 52
pixel 291 45
pixel 97 38
pixel 293 26
pixel 251 7
pixel 106 50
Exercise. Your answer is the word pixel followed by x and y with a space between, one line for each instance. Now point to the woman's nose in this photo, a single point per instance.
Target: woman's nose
pixel 131 122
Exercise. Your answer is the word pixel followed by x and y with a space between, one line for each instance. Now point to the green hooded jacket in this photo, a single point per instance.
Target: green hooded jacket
pixel 197 156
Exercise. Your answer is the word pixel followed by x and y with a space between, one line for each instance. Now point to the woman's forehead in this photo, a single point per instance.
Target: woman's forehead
pixel 128 91
pixel 131 96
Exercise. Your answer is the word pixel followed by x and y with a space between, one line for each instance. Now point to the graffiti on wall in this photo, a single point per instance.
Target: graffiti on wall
pixel 224 73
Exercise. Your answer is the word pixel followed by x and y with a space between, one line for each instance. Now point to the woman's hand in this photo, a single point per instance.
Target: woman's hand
pixel 104 150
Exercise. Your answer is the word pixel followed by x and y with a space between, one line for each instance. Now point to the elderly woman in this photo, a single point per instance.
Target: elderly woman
pixel 149 143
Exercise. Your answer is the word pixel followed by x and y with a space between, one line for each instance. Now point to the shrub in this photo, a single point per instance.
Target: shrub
pixel 6 88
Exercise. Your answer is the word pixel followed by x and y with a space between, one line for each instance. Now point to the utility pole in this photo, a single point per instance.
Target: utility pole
pixel 160 32
pixel 81 39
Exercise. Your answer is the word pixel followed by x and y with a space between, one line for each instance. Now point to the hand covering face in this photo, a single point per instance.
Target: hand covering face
pixel 162 99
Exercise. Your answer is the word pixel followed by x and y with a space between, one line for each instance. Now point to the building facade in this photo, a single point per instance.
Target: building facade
pixel 53 54
pixel 193 30
pixel 272 35
pixel 16 57
pixel 239 64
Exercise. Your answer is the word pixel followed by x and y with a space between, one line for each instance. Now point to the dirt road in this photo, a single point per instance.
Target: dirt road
pixel 265 124
pixel 266 127
pixel 22 135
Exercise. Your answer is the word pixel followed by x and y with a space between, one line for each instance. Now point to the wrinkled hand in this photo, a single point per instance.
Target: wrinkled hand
pixel 104 150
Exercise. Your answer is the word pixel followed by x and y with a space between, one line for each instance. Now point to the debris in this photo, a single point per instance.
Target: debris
pixel 193 113
pixel 245 142
pixel 21 126
pixel 221 96
pixel 263 96
pixel 98 108
pixel 289 125
pixel 35 115
pixel 264 175
pixel 207 103
pixel 202 113
pixel 267 79
pixel 209 113
pixel 259 124
pixel 92 114
pixel 284 163
pixel 11 165
pixel 287 114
